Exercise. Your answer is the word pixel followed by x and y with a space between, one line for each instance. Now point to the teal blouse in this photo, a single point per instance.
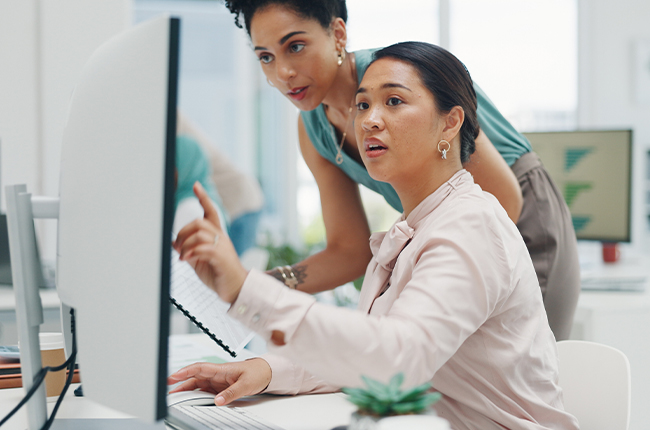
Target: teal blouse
pixel 510 144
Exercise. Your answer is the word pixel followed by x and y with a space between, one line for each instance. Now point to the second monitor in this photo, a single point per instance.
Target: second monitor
pixel 592 170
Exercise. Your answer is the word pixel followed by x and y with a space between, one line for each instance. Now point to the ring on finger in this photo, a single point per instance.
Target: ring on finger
pixel 216 239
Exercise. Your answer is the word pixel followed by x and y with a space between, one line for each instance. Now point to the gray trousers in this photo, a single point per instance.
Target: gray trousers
pixel 546 226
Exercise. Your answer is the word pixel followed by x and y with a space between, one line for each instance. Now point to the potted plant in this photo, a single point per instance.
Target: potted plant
pixel 379 401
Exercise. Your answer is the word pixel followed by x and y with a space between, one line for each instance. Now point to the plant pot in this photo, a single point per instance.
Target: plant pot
pixel 397 422
pixel 413 422
pixel 363 422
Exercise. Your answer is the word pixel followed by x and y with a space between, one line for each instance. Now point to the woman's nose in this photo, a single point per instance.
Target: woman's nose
pixel 285 72
pixel 371 119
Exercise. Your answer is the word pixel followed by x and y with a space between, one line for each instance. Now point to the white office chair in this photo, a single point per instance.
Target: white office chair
pixel 595 379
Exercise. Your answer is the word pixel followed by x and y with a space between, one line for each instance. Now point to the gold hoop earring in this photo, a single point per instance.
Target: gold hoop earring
pixel 444 151
pixel 269 82
pixel 341 57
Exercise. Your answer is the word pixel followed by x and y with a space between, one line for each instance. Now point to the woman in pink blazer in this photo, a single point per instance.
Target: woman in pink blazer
pixel 450 295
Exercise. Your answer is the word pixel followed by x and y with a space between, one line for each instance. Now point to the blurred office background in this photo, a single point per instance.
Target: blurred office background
pixel 548 65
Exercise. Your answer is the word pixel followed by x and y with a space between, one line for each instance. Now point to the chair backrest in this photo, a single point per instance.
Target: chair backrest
pixel 595 379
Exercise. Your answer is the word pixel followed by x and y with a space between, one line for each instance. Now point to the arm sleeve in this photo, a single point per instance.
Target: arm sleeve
pixel 291 378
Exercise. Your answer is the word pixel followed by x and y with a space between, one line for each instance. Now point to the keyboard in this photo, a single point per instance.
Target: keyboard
pixel 215 418
pixel 614 283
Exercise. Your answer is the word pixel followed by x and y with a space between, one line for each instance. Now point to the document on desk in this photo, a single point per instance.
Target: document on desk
pixel 205 309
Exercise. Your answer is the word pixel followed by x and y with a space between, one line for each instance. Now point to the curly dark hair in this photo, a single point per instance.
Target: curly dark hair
pixel 323 11
pixel 447 78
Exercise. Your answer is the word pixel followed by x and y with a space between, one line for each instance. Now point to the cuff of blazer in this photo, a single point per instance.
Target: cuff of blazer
pixel 286 376
pixel 265 305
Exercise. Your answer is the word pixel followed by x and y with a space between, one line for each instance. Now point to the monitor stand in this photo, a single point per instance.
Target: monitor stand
pixel 21 210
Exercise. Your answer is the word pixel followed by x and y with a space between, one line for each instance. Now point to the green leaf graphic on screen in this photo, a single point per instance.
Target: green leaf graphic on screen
pixel 580 222
pixel 572 189
pixel 572 157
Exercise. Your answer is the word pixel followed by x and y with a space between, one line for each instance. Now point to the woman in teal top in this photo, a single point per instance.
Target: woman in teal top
pixel 301 49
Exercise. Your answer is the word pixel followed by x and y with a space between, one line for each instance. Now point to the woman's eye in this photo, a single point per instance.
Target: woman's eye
pixel 393 101
pixel 266 58
pixel 297 47
pixel 362 106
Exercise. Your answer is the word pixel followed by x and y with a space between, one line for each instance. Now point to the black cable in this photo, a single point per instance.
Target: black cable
pixel 68 381
pixel 40 377
pixel 38 380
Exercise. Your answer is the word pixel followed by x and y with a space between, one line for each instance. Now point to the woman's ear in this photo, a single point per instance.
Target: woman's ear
pixel 453 122
pixel 340 33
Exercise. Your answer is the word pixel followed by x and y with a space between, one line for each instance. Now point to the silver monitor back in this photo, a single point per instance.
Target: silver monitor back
pixel 116 213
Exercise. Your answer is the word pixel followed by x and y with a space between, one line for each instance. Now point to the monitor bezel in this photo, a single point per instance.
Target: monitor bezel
pixel 168 218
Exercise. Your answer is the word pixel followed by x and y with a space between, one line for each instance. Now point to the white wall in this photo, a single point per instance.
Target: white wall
pixel 19 95
pixel 606 92
pixel 43 47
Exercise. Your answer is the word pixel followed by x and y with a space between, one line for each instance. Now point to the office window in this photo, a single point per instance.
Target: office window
pixel 377 23
pixel 524 55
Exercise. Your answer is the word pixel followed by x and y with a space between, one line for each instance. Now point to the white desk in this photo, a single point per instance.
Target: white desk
pixel 310 412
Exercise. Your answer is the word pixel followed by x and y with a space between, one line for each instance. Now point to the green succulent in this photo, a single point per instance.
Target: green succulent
pixel 387 399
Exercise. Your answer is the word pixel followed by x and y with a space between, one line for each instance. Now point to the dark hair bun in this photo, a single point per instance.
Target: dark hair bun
pixel 323 11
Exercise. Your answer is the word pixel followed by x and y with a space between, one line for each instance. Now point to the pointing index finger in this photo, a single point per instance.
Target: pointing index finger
pixel 210 212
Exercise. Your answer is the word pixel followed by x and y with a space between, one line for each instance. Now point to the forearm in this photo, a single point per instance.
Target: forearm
pixel 326 270
pixel 347 252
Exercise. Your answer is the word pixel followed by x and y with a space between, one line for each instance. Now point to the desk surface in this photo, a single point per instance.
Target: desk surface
pixel 309 412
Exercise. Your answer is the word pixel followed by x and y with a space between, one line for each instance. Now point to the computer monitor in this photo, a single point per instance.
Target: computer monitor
pixel 593 170
pixel 115 217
